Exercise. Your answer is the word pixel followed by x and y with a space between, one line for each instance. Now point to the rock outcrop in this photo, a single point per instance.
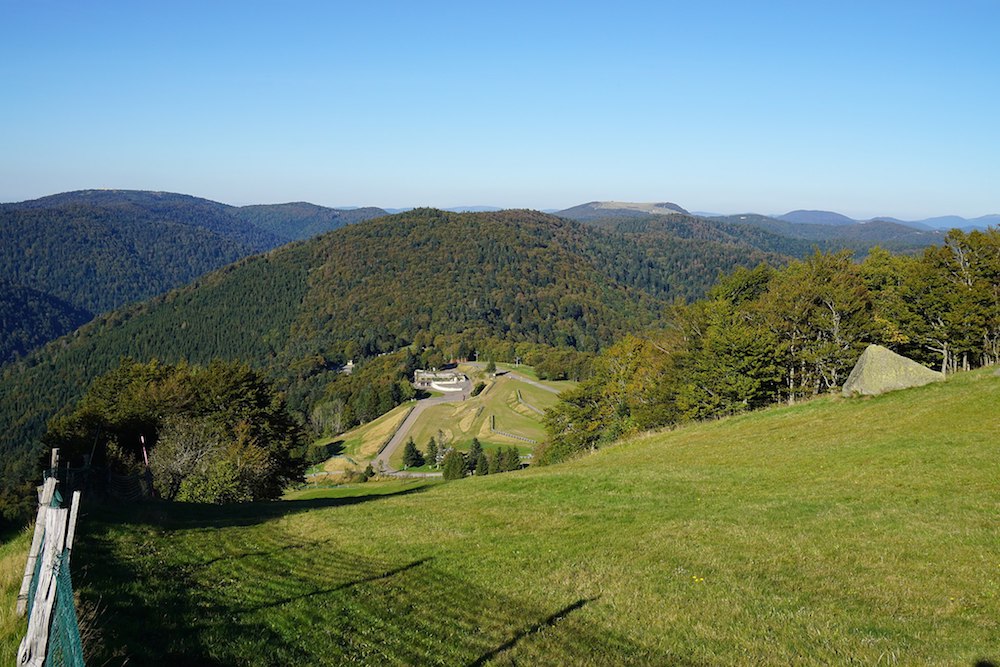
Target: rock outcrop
pixel 880 370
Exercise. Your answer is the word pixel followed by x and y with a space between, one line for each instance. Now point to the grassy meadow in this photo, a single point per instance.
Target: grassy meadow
pixel 13 554
pixel 462 421
pixel 859 531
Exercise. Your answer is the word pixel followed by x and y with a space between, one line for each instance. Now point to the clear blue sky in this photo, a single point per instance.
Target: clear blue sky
pixel 867 108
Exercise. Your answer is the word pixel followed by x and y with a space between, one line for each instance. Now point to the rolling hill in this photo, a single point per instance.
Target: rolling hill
pixel 97 250
pixel 618 209
pixel 364 290
pixel 29 319
pixel 300 220
pixel 816 218
pixel 832 532
pixel 101 249
pixel 857 236
pixel 796 233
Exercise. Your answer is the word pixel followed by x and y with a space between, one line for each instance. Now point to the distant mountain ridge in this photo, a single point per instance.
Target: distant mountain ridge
pixel 296 221
pixel 816 218
pixel 301 310
pixel 67 257
pixel 616 209
pixel 613 209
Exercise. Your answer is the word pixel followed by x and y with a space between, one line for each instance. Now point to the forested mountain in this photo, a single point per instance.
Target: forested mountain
pixel 95 250
pixel 300 220
pixel 29 318
pixel 858 237
pixel 99 249
pixel 668 230
pixel 795 233
pixel 816 218
pixel 618 209
pixel 425 277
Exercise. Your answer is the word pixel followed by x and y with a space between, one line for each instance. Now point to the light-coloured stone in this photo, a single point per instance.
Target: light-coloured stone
pixel 880 370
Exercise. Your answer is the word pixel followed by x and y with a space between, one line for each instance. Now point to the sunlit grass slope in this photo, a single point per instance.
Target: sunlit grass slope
pixel 462 421
pixel 836 532
pixel 13 555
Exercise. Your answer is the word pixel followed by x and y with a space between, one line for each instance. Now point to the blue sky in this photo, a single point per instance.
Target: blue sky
pixel 867 108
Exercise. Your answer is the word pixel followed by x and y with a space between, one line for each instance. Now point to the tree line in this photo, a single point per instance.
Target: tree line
pixel 766 335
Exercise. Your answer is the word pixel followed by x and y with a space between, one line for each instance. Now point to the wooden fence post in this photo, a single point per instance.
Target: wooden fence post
pixel 44 500
pixel 31 653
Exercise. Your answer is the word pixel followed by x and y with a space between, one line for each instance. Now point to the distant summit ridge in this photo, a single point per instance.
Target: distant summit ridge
pixel 816 218
pixel 613 209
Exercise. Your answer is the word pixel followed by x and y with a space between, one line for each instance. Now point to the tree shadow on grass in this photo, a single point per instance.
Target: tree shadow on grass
pixel 175 515
pixel 545 623
pixel 246 596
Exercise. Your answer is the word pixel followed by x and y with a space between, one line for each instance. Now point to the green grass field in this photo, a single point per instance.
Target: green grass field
pixel 13 554
pixel 835 532
pixel 361 444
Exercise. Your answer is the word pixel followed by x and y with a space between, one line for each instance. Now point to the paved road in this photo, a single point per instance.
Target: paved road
pixel 534 383
pixel 401 433
pixel 517 376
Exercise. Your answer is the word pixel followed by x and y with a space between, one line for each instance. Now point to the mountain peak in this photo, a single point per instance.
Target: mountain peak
pixel 617 209
pixel 816 218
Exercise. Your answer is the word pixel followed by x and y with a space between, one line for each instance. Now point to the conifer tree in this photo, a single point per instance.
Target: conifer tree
pixel 412 458
pixel 454 465
pixel 475 450
pixel 432 452
pixel 509 459
pixel 494 462
pixel 482 464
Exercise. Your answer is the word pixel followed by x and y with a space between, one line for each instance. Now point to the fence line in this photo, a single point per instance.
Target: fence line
pixel 46 594
pixel 528 405
pixel 493 429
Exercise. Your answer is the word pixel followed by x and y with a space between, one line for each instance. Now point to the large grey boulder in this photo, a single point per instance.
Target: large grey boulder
pixel 880 370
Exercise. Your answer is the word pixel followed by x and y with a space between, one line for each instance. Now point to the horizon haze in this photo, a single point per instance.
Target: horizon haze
pixel 867 110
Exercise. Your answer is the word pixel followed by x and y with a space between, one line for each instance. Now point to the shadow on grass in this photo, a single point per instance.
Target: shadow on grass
pixel 259 596
pixel 174 515
pixel 546 623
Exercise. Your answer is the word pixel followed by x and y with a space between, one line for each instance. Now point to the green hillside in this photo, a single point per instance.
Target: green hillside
pixel 300 220
pixel 832 532
pixel 29 319
pixel 856 237
pixel 100 249
pixel 420 277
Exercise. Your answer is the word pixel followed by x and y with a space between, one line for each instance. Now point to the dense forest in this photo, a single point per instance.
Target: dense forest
pixel 445 284
pixel 219 433
pixel 89 252
pixel 771 235
pixel 29 319
pixel 300 220
pixel 765 335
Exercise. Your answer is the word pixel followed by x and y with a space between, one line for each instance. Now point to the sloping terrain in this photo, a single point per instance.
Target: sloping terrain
pixel 833 532
pixel 618 209
pixel 373 288
pixel 100 249
pixel 29 319
pixel 859 237
pixel 300 220
pixel 96 250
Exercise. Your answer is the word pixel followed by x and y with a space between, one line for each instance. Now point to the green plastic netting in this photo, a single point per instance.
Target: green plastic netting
pixel 65 648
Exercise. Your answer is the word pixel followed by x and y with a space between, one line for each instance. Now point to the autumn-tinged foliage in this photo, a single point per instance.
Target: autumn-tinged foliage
pixel 767 335
pixel 214 434
pixel 447 285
